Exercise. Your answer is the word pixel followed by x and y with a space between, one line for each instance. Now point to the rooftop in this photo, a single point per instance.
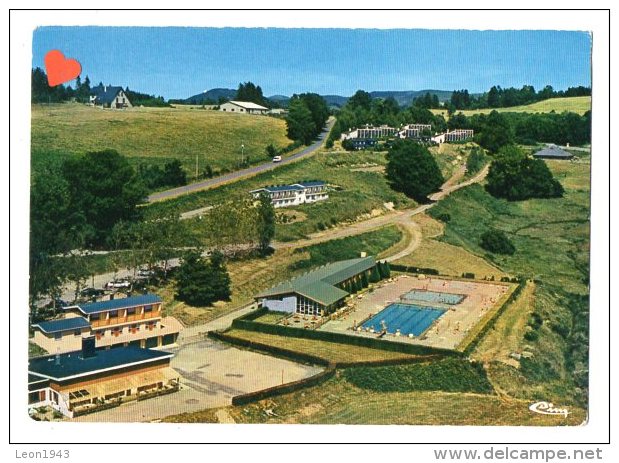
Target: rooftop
pixel 310 184
pixel 248 105
pixel 72 364
pixel 319 284
pixel 115 304
pixel 105 93
pixel 553 151
pixel 64 324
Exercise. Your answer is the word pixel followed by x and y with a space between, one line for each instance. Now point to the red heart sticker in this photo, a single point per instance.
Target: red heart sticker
pixel 60 69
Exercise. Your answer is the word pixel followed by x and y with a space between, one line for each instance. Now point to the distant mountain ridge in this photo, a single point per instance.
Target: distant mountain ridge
pixel 403 97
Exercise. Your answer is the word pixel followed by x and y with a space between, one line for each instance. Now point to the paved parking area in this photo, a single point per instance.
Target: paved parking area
pixel 211 374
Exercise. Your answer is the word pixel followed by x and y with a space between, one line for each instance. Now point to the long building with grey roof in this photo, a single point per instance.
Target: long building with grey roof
pixel 552 152
pixel 319 291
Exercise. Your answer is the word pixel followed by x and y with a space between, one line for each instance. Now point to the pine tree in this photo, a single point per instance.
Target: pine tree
pixel 374 274
pixel 364 280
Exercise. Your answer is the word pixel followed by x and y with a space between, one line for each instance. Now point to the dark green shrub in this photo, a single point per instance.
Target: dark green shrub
pixel 451 374
pixel 496 242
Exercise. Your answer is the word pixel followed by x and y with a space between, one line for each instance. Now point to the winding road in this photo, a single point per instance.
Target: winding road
pixel 239 174
pixel 401 218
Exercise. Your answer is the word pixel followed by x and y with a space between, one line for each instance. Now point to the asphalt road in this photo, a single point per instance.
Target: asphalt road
pixel 250 171
pixel 401 217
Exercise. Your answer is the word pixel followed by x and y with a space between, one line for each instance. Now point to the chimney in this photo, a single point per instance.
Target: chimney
pixel 88 347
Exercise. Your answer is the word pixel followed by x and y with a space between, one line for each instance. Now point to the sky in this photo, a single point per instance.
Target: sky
pixel 178 62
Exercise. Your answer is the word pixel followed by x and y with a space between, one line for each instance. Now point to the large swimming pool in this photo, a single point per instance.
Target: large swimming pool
pixel 408 318
pixel 433 296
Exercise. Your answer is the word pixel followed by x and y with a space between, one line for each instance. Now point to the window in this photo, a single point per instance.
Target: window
pixel 113 313
pixel 95 317
pixel 148 308
pixel 34 397
pixel 58 335
pixel 131 311
pixel 77 332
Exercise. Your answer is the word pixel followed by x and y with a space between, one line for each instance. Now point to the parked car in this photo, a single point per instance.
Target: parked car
pixel 118 284
pixel 145 273
pixel 277 159
pixel 91 292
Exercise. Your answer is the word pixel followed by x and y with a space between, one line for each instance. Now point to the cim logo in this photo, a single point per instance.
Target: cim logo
pixel 547 408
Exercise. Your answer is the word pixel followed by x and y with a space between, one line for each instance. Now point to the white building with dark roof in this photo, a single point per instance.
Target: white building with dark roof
pixel 294 195
pixel 243 107
pixel 552 152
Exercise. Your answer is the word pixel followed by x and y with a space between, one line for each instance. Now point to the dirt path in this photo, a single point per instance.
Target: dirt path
pixel 402 218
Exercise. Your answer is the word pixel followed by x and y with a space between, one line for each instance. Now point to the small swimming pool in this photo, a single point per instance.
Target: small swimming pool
pixel 408 318
pixel 433 296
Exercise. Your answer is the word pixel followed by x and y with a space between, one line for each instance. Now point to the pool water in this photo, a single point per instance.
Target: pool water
pixel 432 296
pixel 409 318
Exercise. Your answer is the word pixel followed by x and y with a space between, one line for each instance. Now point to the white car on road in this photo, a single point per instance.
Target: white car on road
pixel 117 284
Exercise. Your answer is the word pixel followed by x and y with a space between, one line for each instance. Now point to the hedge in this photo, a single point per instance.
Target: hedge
pixel 412 269
pixel 281 330
pixel 279 351
pixel 252 315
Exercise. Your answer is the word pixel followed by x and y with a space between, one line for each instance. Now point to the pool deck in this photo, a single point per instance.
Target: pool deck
pixel 448 331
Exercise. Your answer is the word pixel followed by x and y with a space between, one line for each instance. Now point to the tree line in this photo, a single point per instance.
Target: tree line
pixel 91 202
pixel 498 97
pixel 41 92
pixel 494 130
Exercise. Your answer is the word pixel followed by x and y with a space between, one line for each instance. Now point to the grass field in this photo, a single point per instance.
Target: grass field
pixel 352 194
pixel 331 351
pixel 154 135
pixel 373 243
pixel 575 104
pixel 339 402
pixel 507 334
pixel 444 257
pixel 551 237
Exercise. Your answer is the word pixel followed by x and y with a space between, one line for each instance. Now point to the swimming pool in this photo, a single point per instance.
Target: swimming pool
pixel 409 318
pixel 433 296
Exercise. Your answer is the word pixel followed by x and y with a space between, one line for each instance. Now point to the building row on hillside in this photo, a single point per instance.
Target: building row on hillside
pixel 318 292
pixel 88 380
pixel 132 321
pixel 295 194
pixel 454 135
pixel 367 135
pixel 369 132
